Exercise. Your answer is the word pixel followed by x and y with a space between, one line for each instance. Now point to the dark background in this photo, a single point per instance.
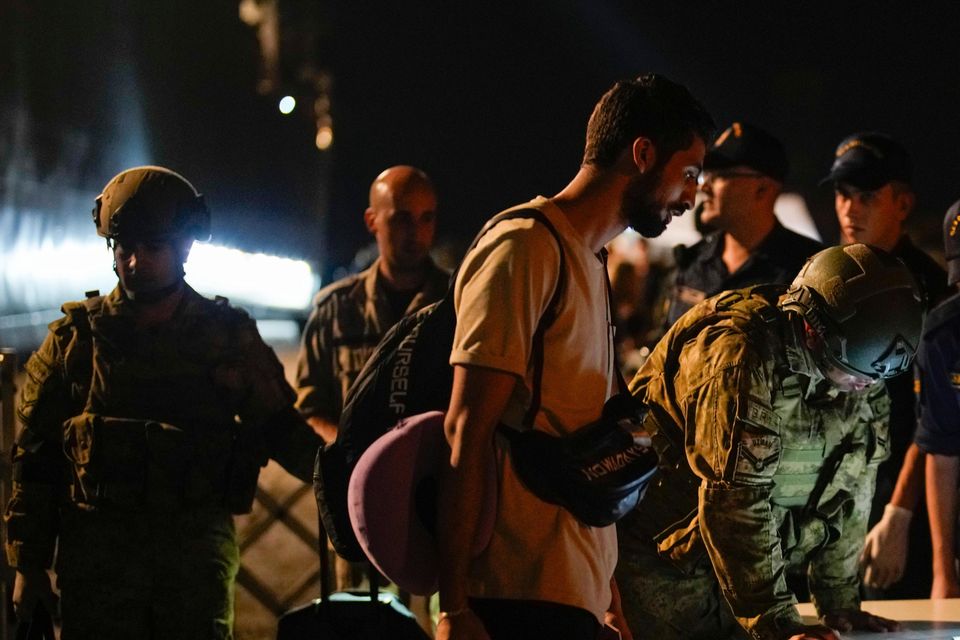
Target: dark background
pixel 491 99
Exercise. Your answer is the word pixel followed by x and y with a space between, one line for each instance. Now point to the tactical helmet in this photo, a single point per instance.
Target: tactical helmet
pixel 866 306
pixel 151 202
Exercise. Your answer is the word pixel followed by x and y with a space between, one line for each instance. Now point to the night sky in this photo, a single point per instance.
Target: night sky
pixel 491 99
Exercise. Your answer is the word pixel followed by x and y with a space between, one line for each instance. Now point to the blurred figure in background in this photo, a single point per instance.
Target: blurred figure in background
pixel 146 417
pixel 350 316
pixel 871 177
pixel 629 270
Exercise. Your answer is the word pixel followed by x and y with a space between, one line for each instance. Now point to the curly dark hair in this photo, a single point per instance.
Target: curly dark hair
pixel 649 106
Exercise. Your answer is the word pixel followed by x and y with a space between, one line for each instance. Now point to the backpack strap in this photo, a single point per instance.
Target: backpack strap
pixel 553 307
pixel 617 370
pixel 550 313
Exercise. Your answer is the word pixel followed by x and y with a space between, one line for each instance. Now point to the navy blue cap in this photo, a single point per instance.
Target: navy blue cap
pixel 746 145
pixel 869 160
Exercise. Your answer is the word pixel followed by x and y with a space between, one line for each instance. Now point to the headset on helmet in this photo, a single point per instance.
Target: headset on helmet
pixel 151 202
pixel 866 306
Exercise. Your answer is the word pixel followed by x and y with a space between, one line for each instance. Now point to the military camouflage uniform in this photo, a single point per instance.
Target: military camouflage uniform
pixel 137 446
pixel 763 465
pixel 348 320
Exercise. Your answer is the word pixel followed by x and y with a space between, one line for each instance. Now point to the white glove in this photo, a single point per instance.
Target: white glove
pixel 884 554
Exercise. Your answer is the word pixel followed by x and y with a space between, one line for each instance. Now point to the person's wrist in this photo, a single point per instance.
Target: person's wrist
pixel 453 614
pixel 897 515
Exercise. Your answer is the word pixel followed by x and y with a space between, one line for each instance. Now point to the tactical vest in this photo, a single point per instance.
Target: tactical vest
pixel 156 430
pixel 820 451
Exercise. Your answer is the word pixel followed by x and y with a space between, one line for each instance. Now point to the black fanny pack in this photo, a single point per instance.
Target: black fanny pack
pixel 598 473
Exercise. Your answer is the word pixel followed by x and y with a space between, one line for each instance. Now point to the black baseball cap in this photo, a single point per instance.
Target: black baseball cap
pixel 746 145
pixel 951 242
pixel 870 160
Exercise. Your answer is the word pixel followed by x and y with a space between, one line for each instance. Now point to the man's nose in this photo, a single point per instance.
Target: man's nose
pixel 690 195
pixel 851 206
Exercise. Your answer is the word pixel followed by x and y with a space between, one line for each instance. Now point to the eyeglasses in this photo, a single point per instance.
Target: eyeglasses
pixel 726 174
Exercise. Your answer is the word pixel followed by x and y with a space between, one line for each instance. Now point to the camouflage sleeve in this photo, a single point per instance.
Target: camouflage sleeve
pixel 834 571
pixel 317 383
pixel 266 405
pixel 32 517
pixel 735 452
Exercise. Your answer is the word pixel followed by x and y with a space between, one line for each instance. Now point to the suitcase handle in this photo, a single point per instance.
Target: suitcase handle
pixel 372 573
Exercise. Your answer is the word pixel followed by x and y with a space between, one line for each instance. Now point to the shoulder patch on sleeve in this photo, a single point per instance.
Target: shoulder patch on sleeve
pixel 759 414
pixel 758 457
pixel 955 380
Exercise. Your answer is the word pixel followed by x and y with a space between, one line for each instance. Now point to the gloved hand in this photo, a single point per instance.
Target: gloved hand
pixel 884 555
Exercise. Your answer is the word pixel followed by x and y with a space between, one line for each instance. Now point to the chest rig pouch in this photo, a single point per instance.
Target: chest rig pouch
pixel 126 463
pixel 187 456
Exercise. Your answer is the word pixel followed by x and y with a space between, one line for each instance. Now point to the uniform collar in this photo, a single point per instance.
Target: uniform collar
pixel 433 287
pixel 770 244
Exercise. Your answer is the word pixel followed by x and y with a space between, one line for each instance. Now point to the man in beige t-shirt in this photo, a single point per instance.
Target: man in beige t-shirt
pixel 545 574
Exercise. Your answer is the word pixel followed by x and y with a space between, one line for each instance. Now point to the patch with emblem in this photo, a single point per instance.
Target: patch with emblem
pixel 955 379
pixel 757 458
pixel 757 413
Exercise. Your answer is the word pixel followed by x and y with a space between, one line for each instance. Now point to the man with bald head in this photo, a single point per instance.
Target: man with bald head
pixel 350 316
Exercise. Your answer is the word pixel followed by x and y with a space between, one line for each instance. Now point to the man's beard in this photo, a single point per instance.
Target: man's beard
pixel 641 207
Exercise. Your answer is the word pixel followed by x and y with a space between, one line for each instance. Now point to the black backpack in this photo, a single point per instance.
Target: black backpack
pixel 408 373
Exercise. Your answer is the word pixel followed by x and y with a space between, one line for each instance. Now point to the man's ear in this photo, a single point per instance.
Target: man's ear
pixel 644 154
pixel 370 219
pixel 905 201
pixel 767 186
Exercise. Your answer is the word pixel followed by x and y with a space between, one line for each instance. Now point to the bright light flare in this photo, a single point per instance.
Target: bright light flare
pixel 324 138
pixel 287 105
pixel 251 278
pixel 42 276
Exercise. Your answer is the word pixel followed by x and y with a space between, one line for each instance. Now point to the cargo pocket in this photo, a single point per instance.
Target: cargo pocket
pixel 125 463
pixel 682 545
pixel 109 457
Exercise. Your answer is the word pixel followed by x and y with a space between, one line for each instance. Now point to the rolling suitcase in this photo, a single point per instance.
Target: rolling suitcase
pixel 349 615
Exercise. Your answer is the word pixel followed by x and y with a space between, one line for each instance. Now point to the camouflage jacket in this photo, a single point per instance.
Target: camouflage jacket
pixel 348 320
pixel 177 416
pixel 764 464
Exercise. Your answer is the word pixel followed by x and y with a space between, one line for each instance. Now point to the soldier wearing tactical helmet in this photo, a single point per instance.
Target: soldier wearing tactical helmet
pixel 769 424
pixel 146 416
